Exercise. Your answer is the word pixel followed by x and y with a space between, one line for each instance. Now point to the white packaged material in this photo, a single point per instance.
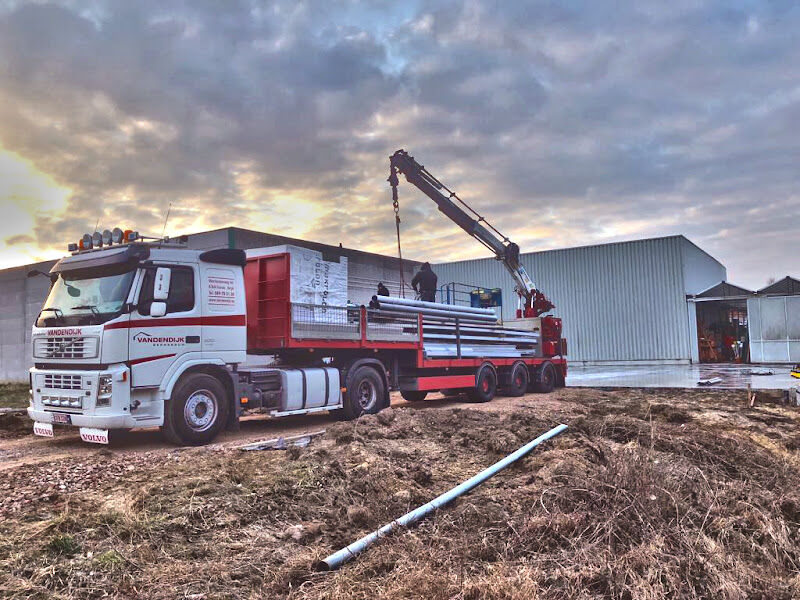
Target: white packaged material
pixel 314 281
pixel 317 281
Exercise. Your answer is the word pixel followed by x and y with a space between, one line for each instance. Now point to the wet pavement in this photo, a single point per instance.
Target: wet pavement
pixel 682 376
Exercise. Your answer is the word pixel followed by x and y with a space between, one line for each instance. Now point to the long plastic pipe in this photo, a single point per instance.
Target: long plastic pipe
pixel 337 559
pixel 435 305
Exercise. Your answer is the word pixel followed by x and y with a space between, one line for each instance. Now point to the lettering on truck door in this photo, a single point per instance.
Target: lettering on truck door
pixel 224 323
pixel 157 342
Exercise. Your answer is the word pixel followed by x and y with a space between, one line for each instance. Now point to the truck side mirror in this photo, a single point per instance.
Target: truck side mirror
pixel 161 283
pixel 158 309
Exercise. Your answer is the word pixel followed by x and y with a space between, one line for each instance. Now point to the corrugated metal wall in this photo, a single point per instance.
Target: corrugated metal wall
pixel 774 327
pixel 620 302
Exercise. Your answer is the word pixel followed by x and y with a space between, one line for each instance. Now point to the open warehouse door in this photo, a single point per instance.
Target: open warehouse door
pixel 722 334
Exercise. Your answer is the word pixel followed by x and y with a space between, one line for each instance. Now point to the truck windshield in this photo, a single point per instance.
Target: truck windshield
pixel 85 300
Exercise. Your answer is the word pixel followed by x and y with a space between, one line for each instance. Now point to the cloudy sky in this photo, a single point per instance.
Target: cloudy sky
pixel 568 123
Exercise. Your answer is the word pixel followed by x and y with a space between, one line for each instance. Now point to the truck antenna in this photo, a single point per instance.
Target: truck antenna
pixel 164 230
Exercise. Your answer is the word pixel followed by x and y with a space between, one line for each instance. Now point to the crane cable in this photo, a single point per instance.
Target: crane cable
pixel 396 204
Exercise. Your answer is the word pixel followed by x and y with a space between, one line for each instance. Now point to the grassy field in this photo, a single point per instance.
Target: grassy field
pixel 13 395
pixel 647 495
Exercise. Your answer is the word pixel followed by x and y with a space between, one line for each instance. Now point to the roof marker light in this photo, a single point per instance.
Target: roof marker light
pixel 117 235
pixel 97 239
pixel 86 242
pixel 106 237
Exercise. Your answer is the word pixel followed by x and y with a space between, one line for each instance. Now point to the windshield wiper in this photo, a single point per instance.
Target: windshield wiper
pixel 92 307
pixel 56 311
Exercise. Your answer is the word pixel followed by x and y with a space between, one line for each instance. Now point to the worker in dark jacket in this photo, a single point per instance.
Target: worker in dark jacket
pixel 424 283
pixel 382 289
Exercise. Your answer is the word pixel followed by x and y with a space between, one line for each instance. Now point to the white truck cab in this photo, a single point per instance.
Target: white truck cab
pixel 123 326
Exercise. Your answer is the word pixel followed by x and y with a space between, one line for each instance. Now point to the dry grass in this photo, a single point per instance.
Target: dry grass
pixel 685 495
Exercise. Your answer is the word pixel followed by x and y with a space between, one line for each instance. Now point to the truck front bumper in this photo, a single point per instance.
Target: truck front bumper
pixel 103 399
pixel 106 421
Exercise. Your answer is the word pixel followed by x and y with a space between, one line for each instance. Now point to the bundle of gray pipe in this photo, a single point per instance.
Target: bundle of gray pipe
pixel 435 309
pixel 450 330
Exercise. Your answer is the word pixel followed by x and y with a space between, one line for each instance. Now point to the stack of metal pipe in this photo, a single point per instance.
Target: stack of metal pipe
pixel 435 309
pixel 464 331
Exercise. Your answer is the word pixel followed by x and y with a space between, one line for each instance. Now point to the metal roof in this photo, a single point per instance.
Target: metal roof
pixel 724 290
pixel 788 286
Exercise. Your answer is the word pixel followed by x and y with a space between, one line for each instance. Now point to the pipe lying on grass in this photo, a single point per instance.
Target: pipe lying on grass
pixel 337 559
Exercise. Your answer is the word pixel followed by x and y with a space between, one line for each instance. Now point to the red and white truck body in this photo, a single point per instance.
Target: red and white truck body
pixel 155 334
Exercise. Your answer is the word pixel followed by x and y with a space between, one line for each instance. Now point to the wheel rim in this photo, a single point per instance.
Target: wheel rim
pixel 367 395
pixel 200 410
pixel 485 384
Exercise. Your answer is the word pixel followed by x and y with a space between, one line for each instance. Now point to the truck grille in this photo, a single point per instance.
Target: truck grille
pixel 65 347
pixel 57 381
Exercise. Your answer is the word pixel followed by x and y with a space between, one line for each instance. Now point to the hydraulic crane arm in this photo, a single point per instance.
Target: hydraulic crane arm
pixel 504 249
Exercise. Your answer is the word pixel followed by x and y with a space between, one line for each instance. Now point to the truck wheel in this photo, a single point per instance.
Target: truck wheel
pixel 197 411
pixel 413 395
pixel 485 386
pixel 545 379
pixel 365 392
pixel 518 380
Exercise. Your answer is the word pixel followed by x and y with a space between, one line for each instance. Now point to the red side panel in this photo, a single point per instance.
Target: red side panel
pixel 266 283
pixel 439 382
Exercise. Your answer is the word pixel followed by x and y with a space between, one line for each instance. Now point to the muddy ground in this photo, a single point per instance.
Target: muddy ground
pixel 647 495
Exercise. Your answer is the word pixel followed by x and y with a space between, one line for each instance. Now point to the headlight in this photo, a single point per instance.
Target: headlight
pixel 104 388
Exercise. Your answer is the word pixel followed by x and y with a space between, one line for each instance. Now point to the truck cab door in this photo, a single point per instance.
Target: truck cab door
pixel 224 321
pixel 165 324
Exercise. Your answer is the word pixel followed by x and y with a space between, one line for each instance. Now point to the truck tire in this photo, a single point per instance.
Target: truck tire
pixel 544 379
pixel 518 380
pixel 413 395
pixel 485 385
pixel 365 391
pixel 197 411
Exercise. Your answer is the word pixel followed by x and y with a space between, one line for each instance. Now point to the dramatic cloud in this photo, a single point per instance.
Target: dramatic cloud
pixel 565 123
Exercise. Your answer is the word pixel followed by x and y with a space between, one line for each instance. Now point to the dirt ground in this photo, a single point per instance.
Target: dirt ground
pixel 649 494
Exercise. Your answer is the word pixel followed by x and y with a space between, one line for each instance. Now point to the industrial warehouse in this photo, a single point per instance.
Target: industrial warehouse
pixel 675 297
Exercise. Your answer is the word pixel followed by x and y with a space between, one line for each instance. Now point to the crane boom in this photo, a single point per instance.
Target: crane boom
pixel 506 251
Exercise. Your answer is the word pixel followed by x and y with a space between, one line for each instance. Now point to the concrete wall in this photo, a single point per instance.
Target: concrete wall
pixel 621 302
pixel 21 299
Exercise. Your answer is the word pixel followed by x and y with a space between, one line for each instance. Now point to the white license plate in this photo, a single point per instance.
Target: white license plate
pixel 43 429
pixel 94 436
pixel 64 418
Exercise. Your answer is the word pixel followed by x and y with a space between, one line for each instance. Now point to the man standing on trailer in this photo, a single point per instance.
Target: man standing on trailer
pixel 424 283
